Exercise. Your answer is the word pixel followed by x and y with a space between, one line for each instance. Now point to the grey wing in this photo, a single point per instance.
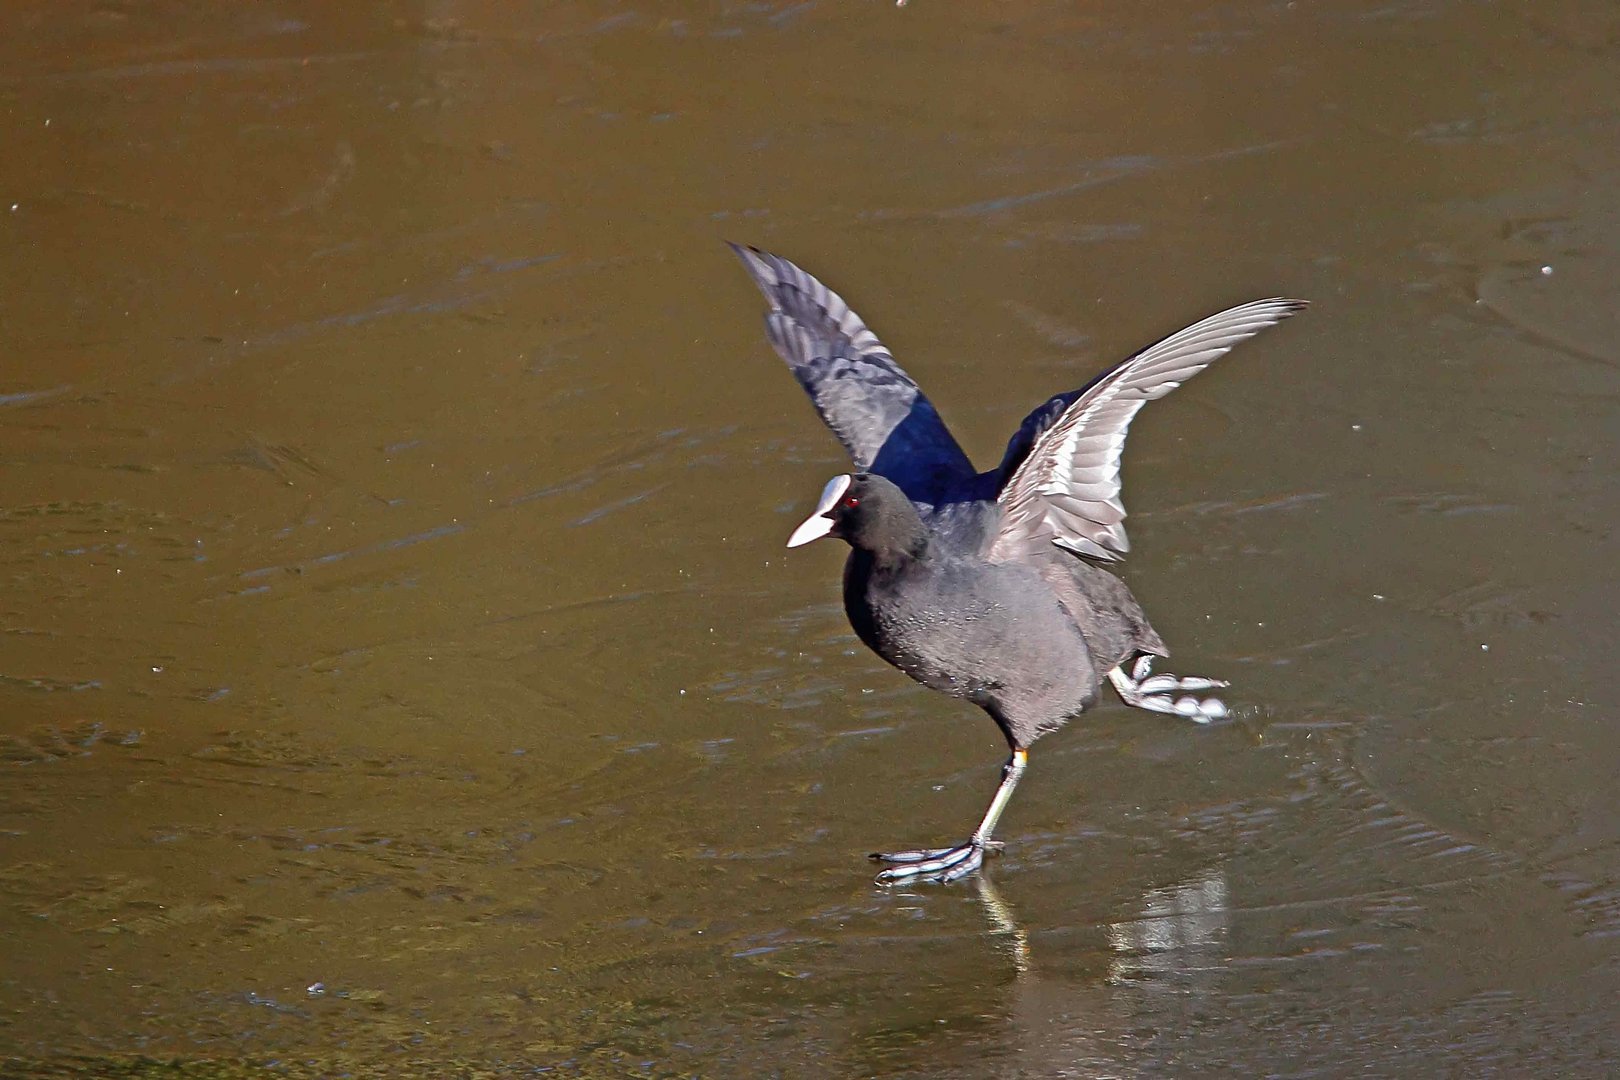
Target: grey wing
pixel 868 401
pixel 1065 489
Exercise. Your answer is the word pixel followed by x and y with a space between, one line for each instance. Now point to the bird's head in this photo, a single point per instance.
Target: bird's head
pixel 868 512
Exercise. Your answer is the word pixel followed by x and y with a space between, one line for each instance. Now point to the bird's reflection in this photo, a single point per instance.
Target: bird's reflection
pixel 1003 923
pixel 1087 997
pixel 1102 985
pixel 1180 927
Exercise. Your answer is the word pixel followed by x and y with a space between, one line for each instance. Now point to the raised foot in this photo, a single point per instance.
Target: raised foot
pixel 943 864
pixel 1144 690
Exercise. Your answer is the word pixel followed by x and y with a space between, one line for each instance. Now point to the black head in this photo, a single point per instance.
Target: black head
pixel 867 511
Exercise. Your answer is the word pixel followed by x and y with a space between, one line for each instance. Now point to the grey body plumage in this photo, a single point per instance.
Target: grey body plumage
pixel 978 584
pixel 994 634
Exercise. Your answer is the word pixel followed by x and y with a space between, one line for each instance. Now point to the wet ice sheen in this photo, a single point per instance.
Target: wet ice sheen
pixel 324 280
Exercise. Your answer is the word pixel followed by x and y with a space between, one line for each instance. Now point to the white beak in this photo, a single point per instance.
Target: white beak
pixel 820 523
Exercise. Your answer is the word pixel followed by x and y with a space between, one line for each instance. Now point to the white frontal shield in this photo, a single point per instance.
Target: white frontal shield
pixel 820 523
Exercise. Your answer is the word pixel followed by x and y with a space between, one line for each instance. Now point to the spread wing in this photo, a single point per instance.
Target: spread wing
pixel 1061 473
pixel 868 401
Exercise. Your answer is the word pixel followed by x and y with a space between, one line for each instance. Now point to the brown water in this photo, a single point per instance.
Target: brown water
pixel 401 670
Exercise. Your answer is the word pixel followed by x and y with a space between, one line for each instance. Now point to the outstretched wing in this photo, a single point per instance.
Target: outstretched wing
pixel 1063 486
pixel 873 406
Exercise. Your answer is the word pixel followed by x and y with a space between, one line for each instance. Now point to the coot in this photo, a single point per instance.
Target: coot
pixel 988 586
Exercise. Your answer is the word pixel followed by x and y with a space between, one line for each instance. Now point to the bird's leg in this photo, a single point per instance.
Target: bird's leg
pixel 1145 690
pixel 947 864
pixel 1010 774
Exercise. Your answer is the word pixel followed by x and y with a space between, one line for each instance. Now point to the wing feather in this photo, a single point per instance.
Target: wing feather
pixel 877 411
pixel 1061 473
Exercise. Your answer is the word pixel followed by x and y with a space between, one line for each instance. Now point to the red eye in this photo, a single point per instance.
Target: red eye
pixel 851 501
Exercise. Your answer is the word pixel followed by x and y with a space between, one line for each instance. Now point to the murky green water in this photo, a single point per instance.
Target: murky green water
pixel 400 670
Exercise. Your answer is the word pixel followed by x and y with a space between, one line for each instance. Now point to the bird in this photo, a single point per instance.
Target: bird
pixel 991 587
